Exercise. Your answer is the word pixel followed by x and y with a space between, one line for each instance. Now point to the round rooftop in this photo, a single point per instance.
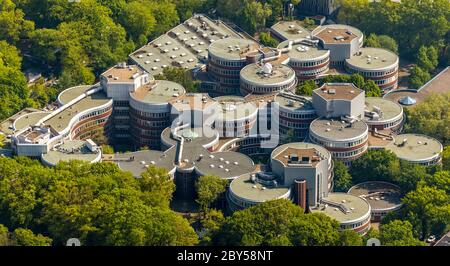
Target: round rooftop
pixel 415 147
pixel 352 208
pixel 160 92
pixel 227 165
pixel 302 52
pixel 232 49
pixel 244 188
pixel 406 98
pixel 337 130
pixel 71 150
pixel 28 120
pixel 279 75
pixel 294 102
pixel 71 93
pixel 380 195
pixel 234 107
pixel 389 109
pixel 373 59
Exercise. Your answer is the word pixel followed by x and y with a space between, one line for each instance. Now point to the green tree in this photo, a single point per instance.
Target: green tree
pixel 187 8
pixel 350 238
pixel 267 40
pixel 157 186
pixel 138 20
pixel 382 41
pixel 439 180
pixel 255 15
pixel 258 225
pixel 427 58
pixel 181 76
pixel 410 175
pixel 14 93
pixel 401 21
pixel 428 210
pixel 209 188
pixel 314 229
pixel 2 140
pixel 431 117
pixel 13 25
pixel 398 233
pixel 342 178
pixel 446 158
pixel 25 237
pixel 165 14
pixel 97 203
pixel 388 43
pixel 306 87
pixel 358 80
pixel 375 165
pixel 4 236
pixel 418 77
pixel 280 222
pixel 371 89
pixel 211 222
pixel 107 149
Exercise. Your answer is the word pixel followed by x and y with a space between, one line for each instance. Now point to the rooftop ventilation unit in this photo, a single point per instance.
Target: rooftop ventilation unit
pixel 267 68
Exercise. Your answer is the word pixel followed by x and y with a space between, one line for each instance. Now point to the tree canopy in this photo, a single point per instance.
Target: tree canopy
pixel 342 178
pixel 431 117
pixel 181 76
pixel 398 233
pixel 96 203
pixel 209 188
pixel 280 222
pixel 411 23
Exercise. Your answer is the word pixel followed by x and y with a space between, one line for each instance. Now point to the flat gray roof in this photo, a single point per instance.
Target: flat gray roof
pixel 291 30
pixel 71 93
pixel 234 107
pixel 161 91
pixel 357 207
pixel 336 29
pixel 338 91
pixel 6 125
pixel 380 195
pixel 227 48
pixel 60 121
pixel 71 150
pixel 337 130
pixel 444 241
pixel 303 52
pixel 194 155
pixel 373 58
pixel 186 45
pixel 29 120
pixel 137 162
pixel 123 73
pixel 244 188
pixel 417 147
pixel 294 102
pixel 389 109
pixel 280 73
pixel 299 146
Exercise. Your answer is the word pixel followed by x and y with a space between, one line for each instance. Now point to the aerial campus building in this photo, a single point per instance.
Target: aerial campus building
pixel 250 109
pixel 315 52
pixel 382 197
